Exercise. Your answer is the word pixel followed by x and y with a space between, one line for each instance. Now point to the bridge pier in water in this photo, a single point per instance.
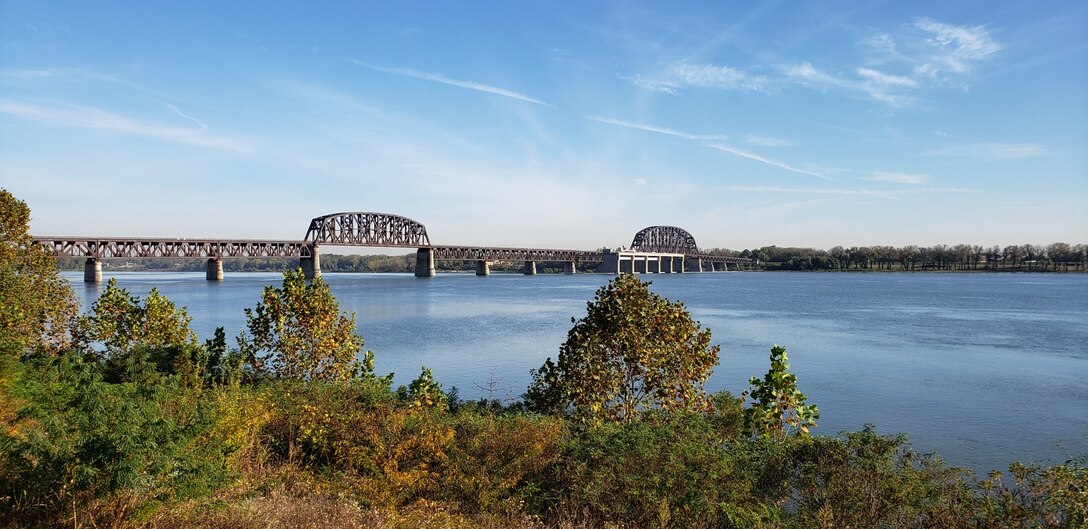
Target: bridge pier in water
pixel 483 267
pixel 425 262
pixel 92 271
pixel 530 268
pixel 311 265
pixel 569 268
pixel 215 269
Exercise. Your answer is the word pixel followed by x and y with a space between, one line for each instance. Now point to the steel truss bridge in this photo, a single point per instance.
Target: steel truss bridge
pixel 663 244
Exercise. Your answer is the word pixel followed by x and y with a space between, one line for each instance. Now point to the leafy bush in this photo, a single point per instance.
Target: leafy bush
pixel 659 471
pixel 862 479
pixel 76 439
pixel 497 463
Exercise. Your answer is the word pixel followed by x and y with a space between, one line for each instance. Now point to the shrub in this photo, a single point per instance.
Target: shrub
pixel 76 438
pixel 659 471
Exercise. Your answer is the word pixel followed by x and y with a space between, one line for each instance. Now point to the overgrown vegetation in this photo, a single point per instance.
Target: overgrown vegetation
pixel 122 418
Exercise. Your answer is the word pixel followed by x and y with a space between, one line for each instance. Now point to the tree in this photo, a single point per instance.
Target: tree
pixel 36 304
pixel 141 338
pixel 633 350
pixel 779 408
pixel 122 323
pixel 302 334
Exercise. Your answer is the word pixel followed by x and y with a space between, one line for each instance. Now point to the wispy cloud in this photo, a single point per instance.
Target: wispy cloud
pixel 767 141
pixel 199 123
pixel 768 161
pixel 685 75
pixel 709 140
pixel 35 74
pixel 659 130
pixel 439 78
pixel 995 151
pixel 955 48
pixel 884 79
pixel 877 85
pixel 898 178
pixel 927 52
pixel 76 116
pixel 842 191
pixel 807 191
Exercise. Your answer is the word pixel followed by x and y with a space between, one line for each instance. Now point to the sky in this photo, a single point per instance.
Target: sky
pixel 552 124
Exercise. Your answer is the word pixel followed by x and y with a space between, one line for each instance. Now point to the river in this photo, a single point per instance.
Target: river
pixel 982 368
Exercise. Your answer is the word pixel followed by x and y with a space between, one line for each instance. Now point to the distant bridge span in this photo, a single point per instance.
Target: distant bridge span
pixel 654 249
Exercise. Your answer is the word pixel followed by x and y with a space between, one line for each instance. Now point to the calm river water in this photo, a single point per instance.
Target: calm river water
pixel 982 368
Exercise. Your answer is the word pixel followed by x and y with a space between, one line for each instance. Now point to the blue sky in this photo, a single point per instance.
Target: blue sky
pixel 552 124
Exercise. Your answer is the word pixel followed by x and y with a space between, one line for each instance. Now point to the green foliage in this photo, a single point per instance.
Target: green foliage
pixel 862 479
pixel 35 302
pixel 779 409
pixel 1032 496
pixel 143 338
pixel 633 350
pixel 74 440
pixel 656 471
pixel 498 463
pixel 123 323
pixel 424 392
pixel 297 332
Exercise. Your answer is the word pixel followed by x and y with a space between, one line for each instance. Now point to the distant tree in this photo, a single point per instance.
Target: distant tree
pixel 298 332
pixel 1060 252
pixel 633 350
pixel 36 304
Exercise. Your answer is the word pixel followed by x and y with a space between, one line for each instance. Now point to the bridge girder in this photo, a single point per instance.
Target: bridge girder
pixel 363 228
pixel 664 239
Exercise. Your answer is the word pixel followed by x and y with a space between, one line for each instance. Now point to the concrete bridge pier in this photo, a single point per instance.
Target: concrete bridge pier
pixel 92 270
pixel 530 268
pixel 483 268
pixel 425 262
pixel 215 269
pixel 311 266
pixel 569 268
pixel 665 265
pixel 678 266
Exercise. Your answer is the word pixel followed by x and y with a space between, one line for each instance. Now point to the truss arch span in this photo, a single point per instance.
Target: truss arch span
pixel 363 228
pixel 664 239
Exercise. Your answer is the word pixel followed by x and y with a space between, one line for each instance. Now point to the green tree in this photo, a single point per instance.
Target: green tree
pixel 297 332
pixel 779 408
pixel 123 323
pixel 633 350
pixel 36 304
pixel 424 392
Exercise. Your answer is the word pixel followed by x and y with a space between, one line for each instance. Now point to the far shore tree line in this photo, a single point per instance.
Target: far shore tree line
pixel 1056 257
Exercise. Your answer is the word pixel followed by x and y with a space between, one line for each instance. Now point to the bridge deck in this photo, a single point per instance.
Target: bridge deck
pixel 483 253
pixel 144 247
